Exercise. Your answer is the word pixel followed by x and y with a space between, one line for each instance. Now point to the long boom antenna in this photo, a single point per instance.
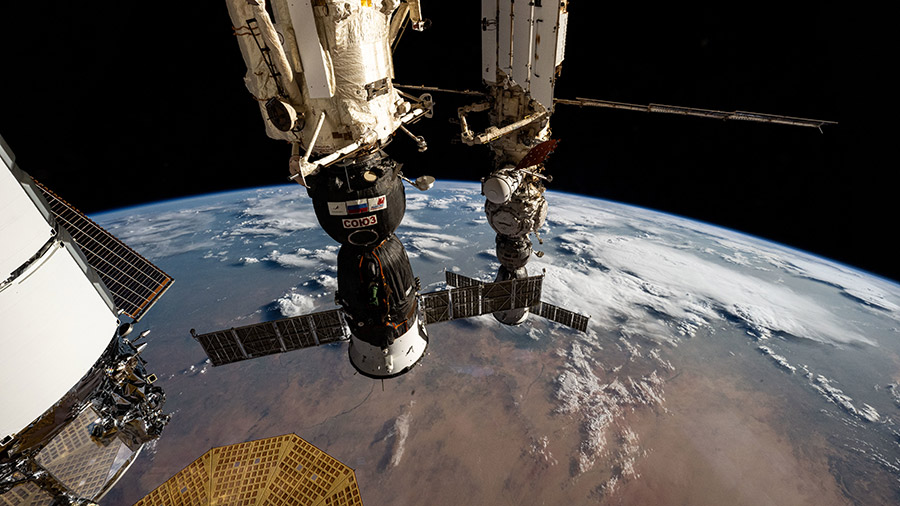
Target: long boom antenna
pixel 660 108
pixel 702 113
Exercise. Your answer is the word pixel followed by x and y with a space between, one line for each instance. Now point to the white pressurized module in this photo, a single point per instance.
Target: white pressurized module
pixel 77 402
pixel 322 73
pixel 57 316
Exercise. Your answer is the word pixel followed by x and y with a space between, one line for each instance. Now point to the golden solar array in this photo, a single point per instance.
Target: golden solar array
pixel 282 470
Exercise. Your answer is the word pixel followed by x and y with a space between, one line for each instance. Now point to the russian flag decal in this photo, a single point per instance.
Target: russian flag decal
pixel 362 206
pixel 357 206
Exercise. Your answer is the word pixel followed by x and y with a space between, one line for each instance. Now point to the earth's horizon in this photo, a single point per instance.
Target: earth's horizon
pixel 717 367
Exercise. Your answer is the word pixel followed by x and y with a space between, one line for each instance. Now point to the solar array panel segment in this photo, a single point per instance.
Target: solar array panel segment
pixel 134 281
pixel 266 338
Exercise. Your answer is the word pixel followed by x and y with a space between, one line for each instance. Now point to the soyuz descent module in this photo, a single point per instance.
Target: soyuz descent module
pixel 78 402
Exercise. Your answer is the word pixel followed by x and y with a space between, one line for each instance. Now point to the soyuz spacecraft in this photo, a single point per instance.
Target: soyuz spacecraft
pixel 78 402
pixel 323 76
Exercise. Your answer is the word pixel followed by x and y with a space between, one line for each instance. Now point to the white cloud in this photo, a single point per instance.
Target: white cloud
pixel 166 234
pixel 295 304
pixel 275 212
pixel 410 223
pixel 657 285
pixel 304 258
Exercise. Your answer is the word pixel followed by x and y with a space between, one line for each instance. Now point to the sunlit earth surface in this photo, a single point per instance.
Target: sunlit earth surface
pixel 717 369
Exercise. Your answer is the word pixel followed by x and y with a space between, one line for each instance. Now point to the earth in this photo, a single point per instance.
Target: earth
pixel 718 368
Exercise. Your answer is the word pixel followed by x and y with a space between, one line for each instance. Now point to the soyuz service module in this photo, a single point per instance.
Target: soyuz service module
pixel 322 74
pixel 77 402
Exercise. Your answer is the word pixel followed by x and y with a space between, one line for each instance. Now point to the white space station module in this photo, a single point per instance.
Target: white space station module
pixel 323 75
pixel 77 402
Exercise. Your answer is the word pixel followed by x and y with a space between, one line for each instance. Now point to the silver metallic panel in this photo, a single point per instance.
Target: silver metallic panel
pixel 83 464
pixel 489 41
pixel 26 494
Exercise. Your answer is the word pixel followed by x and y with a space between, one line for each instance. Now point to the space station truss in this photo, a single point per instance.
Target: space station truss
pixel 549 311
pixel 135 283
pixel 281 470
pixel 474 298
pixel 267 338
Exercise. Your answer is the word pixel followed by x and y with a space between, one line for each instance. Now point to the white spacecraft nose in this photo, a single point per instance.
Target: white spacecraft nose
pixel 499 188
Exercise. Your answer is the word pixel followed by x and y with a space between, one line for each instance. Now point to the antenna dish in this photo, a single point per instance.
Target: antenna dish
pixel 424 182
pixel 421 183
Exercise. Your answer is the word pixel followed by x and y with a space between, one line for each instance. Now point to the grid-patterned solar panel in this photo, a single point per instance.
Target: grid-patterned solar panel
pixel 282 470
pixel 466 302
pixel 478 298
pixel 512 294
pixel 134 282
pixel 436 306
pixel 454 279
pixel 563 316
pixel 78 462
pixel 260 339
pixel 499 297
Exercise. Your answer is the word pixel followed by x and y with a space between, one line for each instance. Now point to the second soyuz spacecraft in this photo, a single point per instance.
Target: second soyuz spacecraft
pixel 323 75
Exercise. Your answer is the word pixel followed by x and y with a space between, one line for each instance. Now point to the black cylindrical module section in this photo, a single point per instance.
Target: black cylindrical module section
pixel 513 252
pixel 504 274
pixel 376 288
pixel 359 204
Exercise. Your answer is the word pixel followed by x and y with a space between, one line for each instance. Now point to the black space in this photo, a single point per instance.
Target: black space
pixel 115 104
